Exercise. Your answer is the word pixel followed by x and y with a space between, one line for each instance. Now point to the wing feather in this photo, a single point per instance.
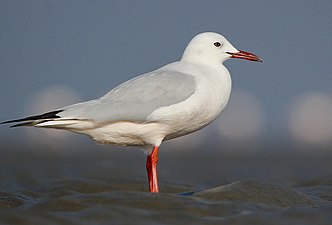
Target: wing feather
pixel 135 99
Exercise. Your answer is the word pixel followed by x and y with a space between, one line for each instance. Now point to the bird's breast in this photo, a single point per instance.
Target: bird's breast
pixel 200 109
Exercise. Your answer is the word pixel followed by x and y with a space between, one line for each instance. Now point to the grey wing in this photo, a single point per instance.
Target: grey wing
pixel 135 99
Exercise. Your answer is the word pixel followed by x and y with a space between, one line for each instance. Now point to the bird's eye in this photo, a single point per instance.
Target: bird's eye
pixel 217 44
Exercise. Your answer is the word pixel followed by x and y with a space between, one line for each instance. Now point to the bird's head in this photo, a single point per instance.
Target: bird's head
pixel 213 48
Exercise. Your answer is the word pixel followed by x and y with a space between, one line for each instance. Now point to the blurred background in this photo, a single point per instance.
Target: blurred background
pixel 55 53
pixel 277 127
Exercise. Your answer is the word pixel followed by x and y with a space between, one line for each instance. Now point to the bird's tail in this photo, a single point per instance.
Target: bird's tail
pixel 34 120
pixel 52 120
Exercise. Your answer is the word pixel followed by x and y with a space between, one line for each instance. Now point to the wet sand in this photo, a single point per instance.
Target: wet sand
pixel 103 186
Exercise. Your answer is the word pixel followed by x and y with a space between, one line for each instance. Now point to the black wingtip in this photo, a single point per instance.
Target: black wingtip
pixel 22 124
pixel 48 115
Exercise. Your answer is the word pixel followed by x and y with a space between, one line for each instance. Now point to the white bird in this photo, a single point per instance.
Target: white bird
pixel 174 100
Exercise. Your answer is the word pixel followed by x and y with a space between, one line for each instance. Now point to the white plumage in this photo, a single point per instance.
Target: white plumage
pixel 172 101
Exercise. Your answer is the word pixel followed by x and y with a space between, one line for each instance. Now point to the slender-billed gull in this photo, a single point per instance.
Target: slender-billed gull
pixel 174 100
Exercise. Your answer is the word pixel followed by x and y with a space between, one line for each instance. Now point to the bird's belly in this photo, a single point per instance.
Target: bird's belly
pixel 129 133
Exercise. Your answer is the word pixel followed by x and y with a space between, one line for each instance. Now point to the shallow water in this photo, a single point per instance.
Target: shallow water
pixel 102 186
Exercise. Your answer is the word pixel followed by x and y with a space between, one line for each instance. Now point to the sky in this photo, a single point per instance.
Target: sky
pixel 55 53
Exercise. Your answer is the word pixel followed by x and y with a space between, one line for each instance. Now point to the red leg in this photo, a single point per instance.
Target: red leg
pixel 151 167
